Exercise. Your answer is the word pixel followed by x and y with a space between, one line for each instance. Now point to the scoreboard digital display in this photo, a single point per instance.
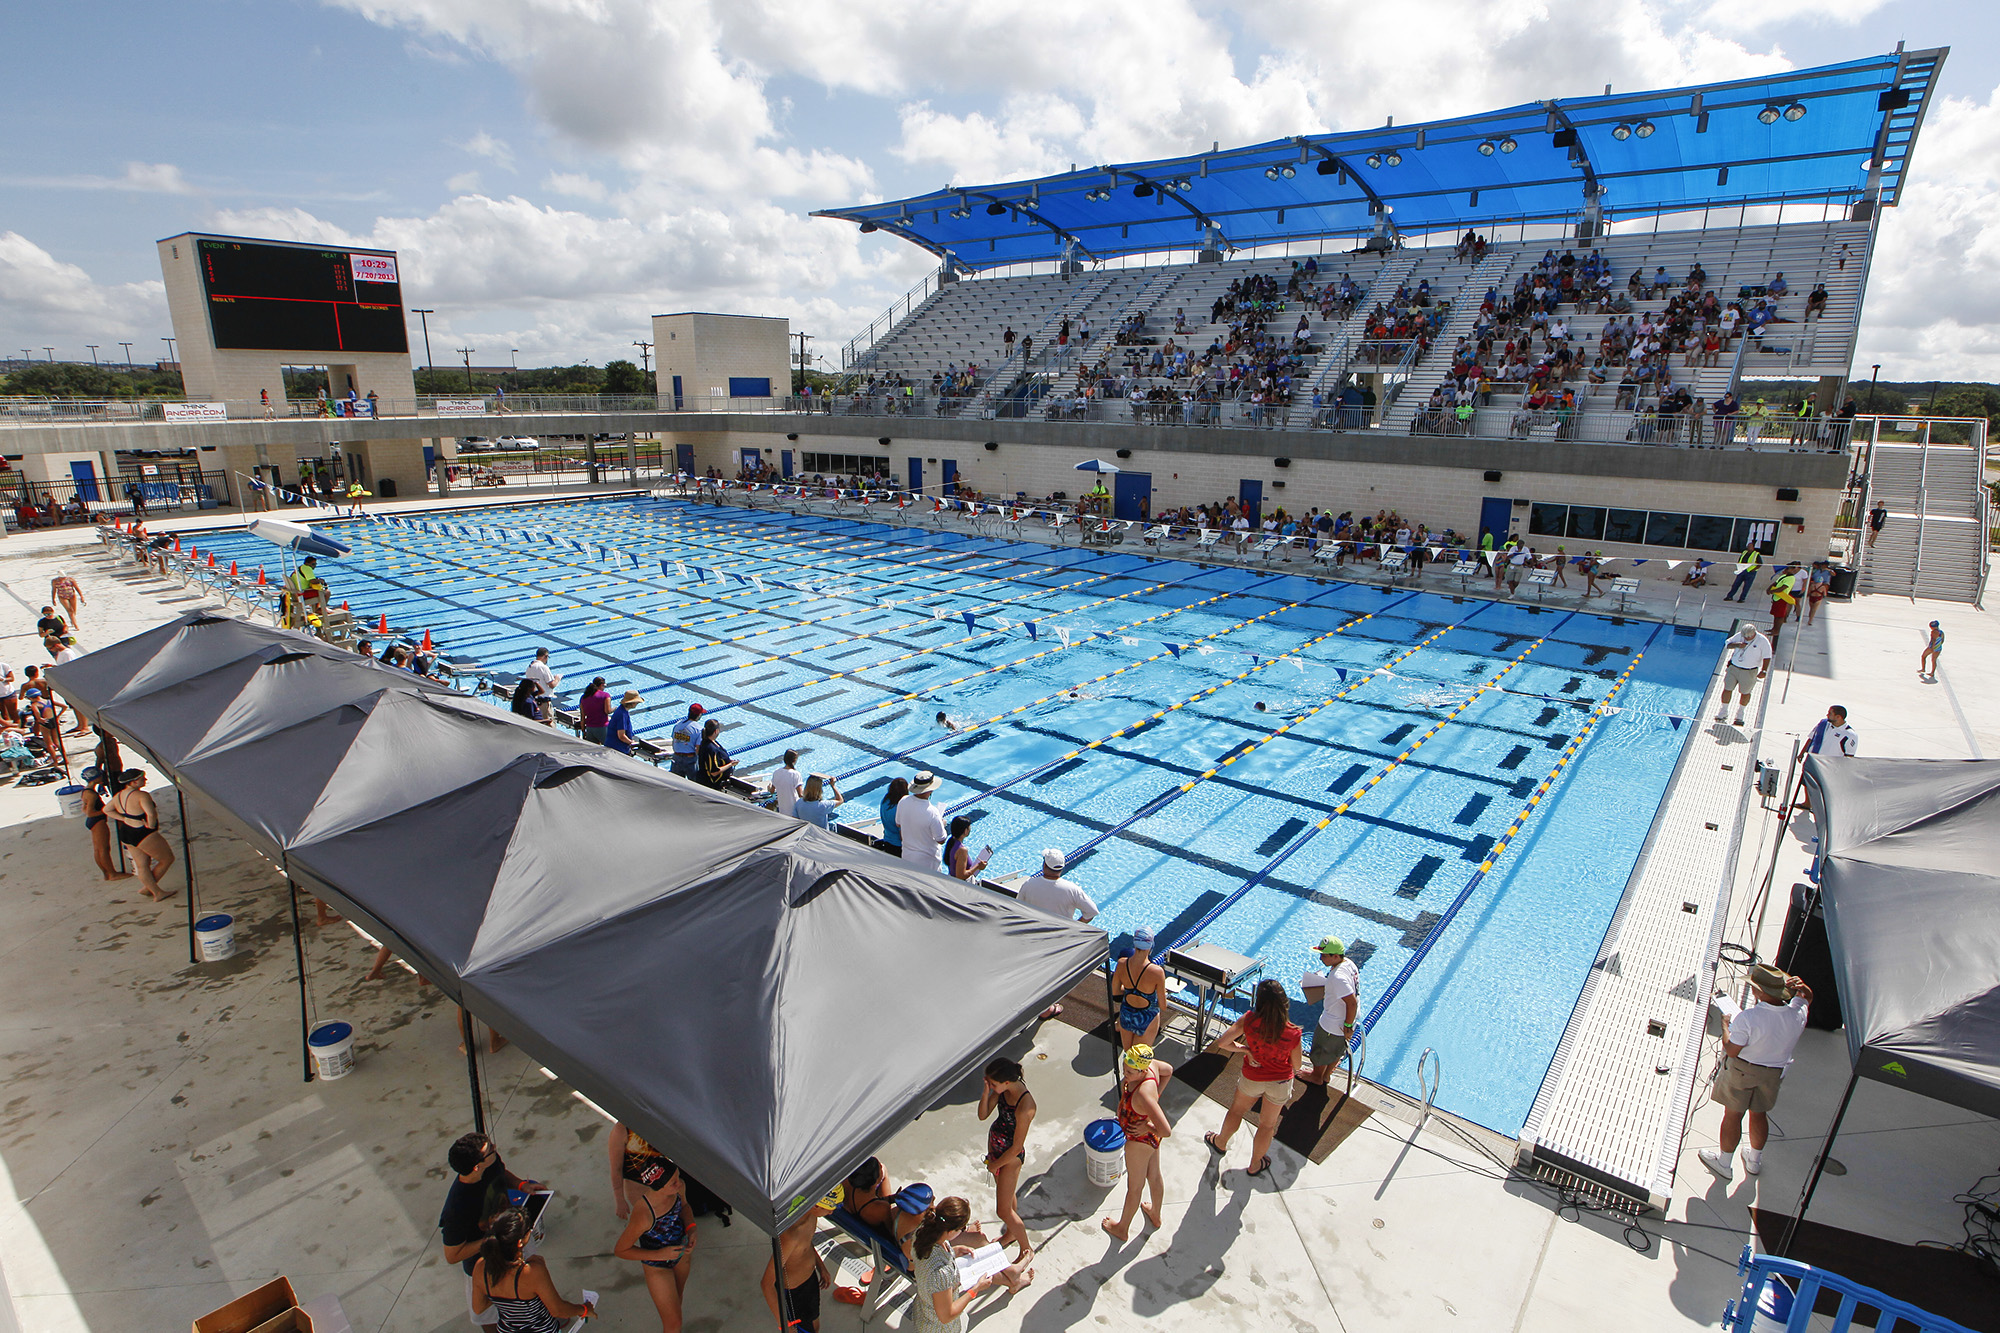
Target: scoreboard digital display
pixel 281 298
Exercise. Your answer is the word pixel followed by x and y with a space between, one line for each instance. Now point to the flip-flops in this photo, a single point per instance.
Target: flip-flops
pixel 1261 1168
pixel 849 1295
pixel 1213 1146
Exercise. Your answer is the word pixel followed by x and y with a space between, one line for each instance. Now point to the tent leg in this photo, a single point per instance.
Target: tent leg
pixel 299 955
pixel 187 866
pixel 1794 780
pixel 465 1029
pixel 786 1319
pixel 1818 1166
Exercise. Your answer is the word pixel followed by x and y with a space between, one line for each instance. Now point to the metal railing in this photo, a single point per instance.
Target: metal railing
pixel 1791 1290
pixel 885 323
pixel 472 406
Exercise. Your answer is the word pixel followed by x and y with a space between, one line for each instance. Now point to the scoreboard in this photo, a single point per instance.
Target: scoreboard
pixel 277 298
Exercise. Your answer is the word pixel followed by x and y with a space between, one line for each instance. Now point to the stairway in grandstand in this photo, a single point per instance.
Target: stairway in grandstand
pixel 1498 269
pixel 1344 337
pixel 1934 543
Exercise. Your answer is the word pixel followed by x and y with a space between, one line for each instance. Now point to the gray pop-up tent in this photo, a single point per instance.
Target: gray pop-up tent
pixel 766 1002
pixel 1909 875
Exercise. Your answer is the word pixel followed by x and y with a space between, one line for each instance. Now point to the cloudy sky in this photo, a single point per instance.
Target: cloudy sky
pixel 556 171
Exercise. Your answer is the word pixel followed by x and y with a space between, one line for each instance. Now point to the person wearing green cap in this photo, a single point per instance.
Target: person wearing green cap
pixel 1757 1048
pixel 1337 991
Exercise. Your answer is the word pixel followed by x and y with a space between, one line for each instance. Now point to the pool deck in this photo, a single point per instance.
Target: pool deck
pixel 161 1153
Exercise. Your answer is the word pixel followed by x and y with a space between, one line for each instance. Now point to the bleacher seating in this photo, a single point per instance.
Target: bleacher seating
pixel 963 324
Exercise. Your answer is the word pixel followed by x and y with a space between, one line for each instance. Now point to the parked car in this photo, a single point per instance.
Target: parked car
pixel 517 442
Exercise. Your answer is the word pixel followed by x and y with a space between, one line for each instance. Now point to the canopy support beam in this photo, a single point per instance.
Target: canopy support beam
pixel 1378 206
pixel 1818 1166
pixel 467 1031
pixel 299 957
pixel 786 1317
pixel 187 861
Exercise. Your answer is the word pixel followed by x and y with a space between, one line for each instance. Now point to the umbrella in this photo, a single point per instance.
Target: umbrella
pixel 1096 465
pixel 296 537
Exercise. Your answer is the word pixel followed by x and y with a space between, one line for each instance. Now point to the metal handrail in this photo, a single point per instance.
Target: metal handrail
pixel 1804 1283
pixel 1430 1061
pixel 882 325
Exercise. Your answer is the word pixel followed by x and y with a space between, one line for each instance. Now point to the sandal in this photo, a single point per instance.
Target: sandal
pixel 849 1295
pixel 1213 1146
pixel 1261 1168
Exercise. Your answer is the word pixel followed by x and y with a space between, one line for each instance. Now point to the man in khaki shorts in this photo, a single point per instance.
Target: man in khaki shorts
pixel 1749 659
pixel 1755 1054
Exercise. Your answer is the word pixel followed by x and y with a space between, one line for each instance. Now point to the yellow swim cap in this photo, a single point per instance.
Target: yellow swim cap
pixel 1138 1057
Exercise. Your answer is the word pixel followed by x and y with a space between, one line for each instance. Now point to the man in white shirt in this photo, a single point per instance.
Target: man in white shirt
pixel 1831 736
pixel 1338 992
pixel 920 824
pixel 1755 1055
pixel 1749 660
pixel 10 690
pixel 785 783
pixel 545 682
pixel 1050 892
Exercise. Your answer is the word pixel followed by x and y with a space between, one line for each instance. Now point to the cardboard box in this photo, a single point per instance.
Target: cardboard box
pixel 272 1308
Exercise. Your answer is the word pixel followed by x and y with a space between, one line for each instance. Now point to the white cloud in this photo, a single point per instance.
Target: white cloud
pixel 465 182
pixel 576 185
pixel 495 150
pixel 138 177
pixel 42 299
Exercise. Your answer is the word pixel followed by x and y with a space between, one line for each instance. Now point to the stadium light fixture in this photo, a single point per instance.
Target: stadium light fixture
pixel 1183 184
pixel 1644 129
pixel 1270 173
pixel 1769 115
pixel 1374 160
pixel 1394 158
pixel 1621 131
pixel 1796 111
pixel 1508 145
pixel 1487 147
pixel 1288 172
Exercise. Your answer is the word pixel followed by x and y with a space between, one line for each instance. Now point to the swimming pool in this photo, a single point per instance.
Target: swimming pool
pixel 1251 757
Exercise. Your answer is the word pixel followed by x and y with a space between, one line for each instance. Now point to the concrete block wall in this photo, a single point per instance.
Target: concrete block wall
pixel 1439 496
pixel 708 350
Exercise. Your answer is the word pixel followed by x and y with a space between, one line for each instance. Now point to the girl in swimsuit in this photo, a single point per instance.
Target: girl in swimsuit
pixel 1145 1124
pixel 138 823
pixel 1139 986
pixel 1007 1099
pixel 520 1289
pixel 659 1233
pixel 99 825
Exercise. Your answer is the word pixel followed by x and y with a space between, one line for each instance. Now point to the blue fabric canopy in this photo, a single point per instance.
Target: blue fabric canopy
pixel 1838 133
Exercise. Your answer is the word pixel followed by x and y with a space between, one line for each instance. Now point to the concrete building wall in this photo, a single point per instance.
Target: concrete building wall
pixel 236 377
pixel 707 351
pixel 1439 496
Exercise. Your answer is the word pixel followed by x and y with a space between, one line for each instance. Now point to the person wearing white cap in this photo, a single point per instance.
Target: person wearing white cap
pixel 1049 892
pixel 920 824
pixel 1749 660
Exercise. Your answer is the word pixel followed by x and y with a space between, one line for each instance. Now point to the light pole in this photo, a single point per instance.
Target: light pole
pixel 52 360
pixel 513 357
pixel 645 357
pixel 170 351
pixel 128 354
pixel 423 317
pixel 802 360
pixel 466 352
pixel 1877 369
pixel 93 352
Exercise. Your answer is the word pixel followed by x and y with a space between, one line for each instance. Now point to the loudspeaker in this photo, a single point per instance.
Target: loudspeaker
pixel 1124 453
pixel 883 440
pixel 992 446
pixel 1277 485
pixel 1492 476
pixel 792 436
pixel 1282 462
pixel 1788 492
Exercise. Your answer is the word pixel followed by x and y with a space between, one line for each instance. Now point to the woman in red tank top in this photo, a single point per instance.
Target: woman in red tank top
pixel 1270 1044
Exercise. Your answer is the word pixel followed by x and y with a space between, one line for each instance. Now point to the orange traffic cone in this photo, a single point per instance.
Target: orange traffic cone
pixel 382 625
pixel 260 576
pixel 343 606
pixel 428 645
pixel 177 545
pixel 232 569
pixel 211 560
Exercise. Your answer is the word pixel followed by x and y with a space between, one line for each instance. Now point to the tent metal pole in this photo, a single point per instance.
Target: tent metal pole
pixel 786 1317
pixel 299 955
pixel 1794 780
pixel 1111 1017
pixel 187 866
pixel 472 1068
pixel 1818 1166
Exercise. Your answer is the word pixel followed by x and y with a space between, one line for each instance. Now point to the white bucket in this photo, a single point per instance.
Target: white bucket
pixel 215 936
pixel 332 1050
pixel 70 801
pixel 1104 1166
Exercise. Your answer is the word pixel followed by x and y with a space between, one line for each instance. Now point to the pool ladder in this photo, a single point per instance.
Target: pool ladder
pixel 1430 1074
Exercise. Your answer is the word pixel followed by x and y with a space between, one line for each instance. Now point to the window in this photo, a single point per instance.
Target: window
pixel 1666 529
pixel 1546 520
pixel 749 386
pixel 837 464
pixel 1709 533
pixel 1625 525
pixel 1586 523
pixel 1761 533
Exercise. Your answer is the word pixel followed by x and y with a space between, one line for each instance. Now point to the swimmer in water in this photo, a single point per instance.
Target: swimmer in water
pixel 1261 707
pixel 946 722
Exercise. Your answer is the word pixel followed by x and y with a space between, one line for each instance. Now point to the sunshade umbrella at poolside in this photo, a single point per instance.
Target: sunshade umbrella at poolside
pixel 1096 465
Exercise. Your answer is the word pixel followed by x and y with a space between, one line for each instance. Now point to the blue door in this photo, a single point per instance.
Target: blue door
pixel 677 393
pixel 1250 494
pixel 950 467
pixel 683 453
pixel 1494 517
pixel 85 476
pixel 916 476
pixel 785 463
pixel 1127 489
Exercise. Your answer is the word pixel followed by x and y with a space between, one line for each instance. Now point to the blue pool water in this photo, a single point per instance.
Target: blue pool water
pixel 1161 831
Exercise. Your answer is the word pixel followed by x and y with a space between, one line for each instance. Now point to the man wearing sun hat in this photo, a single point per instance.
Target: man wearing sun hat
pixel 920 824
pixel 1755 1054
pixel 1337 991
pixel 619 733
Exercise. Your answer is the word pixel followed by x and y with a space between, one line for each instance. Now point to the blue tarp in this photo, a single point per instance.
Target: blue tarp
pixel 1717 145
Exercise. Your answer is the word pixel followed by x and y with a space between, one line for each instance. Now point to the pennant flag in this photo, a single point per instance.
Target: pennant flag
pixel 1675 564
pixel 759 582
pixel 1034 630
pixel 1636 563
pixel 1173 648
pixel 1341 672
pixel 939 613
pixel 1674 722
pixel 968 620
pixel 679 568
pixel 664 571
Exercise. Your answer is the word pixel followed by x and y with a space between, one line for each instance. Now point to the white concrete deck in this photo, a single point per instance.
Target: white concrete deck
pixel 161 1153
